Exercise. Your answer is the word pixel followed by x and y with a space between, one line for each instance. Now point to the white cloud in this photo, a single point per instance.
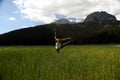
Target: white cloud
pixel 45 10
pixel 118 17
pixel 26 26
pixel 15 12
pixel 12 18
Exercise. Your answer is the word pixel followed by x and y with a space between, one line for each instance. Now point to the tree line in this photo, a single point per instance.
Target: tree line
pixel 81 33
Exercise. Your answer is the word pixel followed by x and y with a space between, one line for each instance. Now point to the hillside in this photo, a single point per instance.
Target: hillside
pixel 100 17
pixel 82 33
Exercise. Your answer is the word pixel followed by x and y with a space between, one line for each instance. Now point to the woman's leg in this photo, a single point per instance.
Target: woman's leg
pixel 64 44
pixel 58 50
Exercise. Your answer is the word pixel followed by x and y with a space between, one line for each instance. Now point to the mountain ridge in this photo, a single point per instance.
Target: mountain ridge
pixel 82 33
pixel 62 21
pixel 100 17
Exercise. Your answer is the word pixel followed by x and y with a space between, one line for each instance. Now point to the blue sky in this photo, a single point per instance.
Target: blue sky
pixel 17 14
pixel 11 18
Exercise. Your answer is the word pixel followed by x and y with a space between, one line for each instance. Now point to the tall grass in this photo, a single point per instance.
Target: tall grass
pixel 72 63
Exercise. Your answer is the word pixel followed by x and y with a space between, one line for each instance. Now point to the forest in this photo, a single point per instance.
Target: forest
pixel 81 33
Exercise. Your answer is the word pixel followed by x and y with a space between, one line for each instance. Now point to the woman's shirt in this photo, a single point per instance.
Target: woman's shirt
pixel 58 44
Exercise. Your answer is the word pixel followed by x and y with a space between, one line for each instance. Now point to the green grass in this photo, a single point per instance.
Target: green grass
pixel 72 63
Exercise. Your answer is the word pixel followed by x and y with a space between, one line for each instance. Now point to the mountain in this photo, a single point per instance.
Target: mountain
pixel 37 35
pixel 100 17
pixel 82 33
pixel 62 21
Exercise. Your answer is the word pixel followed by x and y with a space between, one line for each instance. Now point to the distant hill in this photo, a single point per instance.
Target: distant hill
pixel 100 17
pixel 62 21
pixel 82 33
pixel 38 35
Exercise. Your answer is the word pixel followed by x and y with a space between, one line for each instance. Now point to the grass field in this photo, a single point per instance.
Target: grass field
pixel 72 63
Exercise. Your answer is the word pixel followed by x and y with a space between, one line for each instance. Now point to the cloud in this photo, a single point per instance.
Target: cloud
pixel 46 10
pixel 118 16
pixel 26 26
pixel 12 18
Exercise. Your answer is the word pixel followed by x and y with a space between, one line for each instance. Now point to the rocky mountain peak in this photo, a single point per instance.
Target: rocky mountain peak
pixel 100 17
pixel 62 21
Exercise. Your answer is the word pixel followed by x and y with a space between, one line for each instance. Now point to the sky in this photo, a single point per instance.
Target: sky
pixel 17 14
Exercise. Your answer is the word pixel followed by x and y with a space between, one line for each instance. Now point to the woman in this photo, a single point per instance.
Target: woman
pixel 59 42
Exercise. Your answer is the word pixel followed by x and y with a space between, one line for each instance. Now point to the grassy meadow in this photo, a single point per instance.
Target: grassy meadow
pixel 72 63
